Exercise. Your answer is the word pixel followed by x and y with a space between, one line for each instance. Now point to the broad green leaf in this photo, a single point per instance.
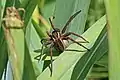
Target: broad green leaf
pixel 33 43
pixel 64 64
pixel 18 44
pixel 84 64
pixel 15 51
pixel 29 6
pixel 113 18
pixel 29 73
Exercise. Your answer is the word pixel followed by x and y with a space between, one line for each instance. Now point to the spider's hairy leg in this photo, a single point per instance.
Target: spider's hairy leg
pixel 75 50
pixel 69 20
pixel 69 38
pixel 44 39
pixel 48 33
pixel 51 60
pixel 72 33
pixel 39 56
pixel 51 24
pixel 48 42
pixel 44 44
pixel 52 17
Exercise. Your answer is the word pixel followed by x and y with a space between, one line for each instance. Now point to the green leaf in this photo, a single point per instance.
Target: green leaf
pixel 38 29
pixel 103 61
pixel 64 64
pixel 2 7
pixel 29 6
pixel 84 64
pixel 3 53
pixel 33 43
pixel 113 17
pixel 3 47
pixel 28 73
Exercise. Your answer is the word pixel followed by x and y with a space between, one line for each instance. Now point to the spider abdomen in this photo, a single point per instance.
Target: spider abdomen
pixel 59 45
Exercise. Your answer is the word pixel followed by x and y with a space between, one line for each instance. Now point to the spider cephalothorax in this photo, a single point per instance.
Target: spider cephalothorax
pixel 58 37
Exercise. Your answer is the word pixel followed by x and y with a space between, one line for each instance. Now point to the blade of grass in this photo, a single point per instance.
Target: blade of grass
pixel 3 54
pixel 2 7
pixel 3 47
pixel 14 55
pixel 29 73
pixel 83 66
pixel 33 43
pixel 113 17
pixel 29 6
pixel 38 29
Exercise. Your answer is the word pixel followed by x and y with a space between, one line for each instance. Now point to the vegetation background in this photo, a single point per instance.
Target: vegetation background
pixel 17 59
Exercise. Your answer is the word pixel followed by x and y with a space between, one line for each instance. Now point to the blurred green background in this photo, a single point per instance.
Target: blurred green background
pixel 21 46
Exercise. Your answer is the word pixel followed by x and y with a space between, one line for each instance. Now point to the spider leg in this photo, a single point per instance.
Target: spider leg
pixel 75 50
pixel 43 44
pixel 51 60
pixel 77 43
pixel 72 33
pixel 39 56
pixel 48 33
pixel 69 20
pixel 45 39
pixel 51 24
pixel 52 17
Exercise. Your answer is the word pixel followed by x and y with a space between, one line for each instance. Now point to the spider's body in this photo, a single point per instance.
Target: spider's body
pixel 59 43
pixel 58 38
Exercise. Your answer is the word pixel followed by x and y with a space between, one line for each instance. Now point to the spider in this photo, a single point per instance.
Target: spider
pixel 58 37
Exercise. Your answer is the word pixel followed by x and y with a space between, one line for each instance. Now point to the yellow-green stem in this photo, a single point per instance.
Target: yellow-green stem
pixel 113 17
